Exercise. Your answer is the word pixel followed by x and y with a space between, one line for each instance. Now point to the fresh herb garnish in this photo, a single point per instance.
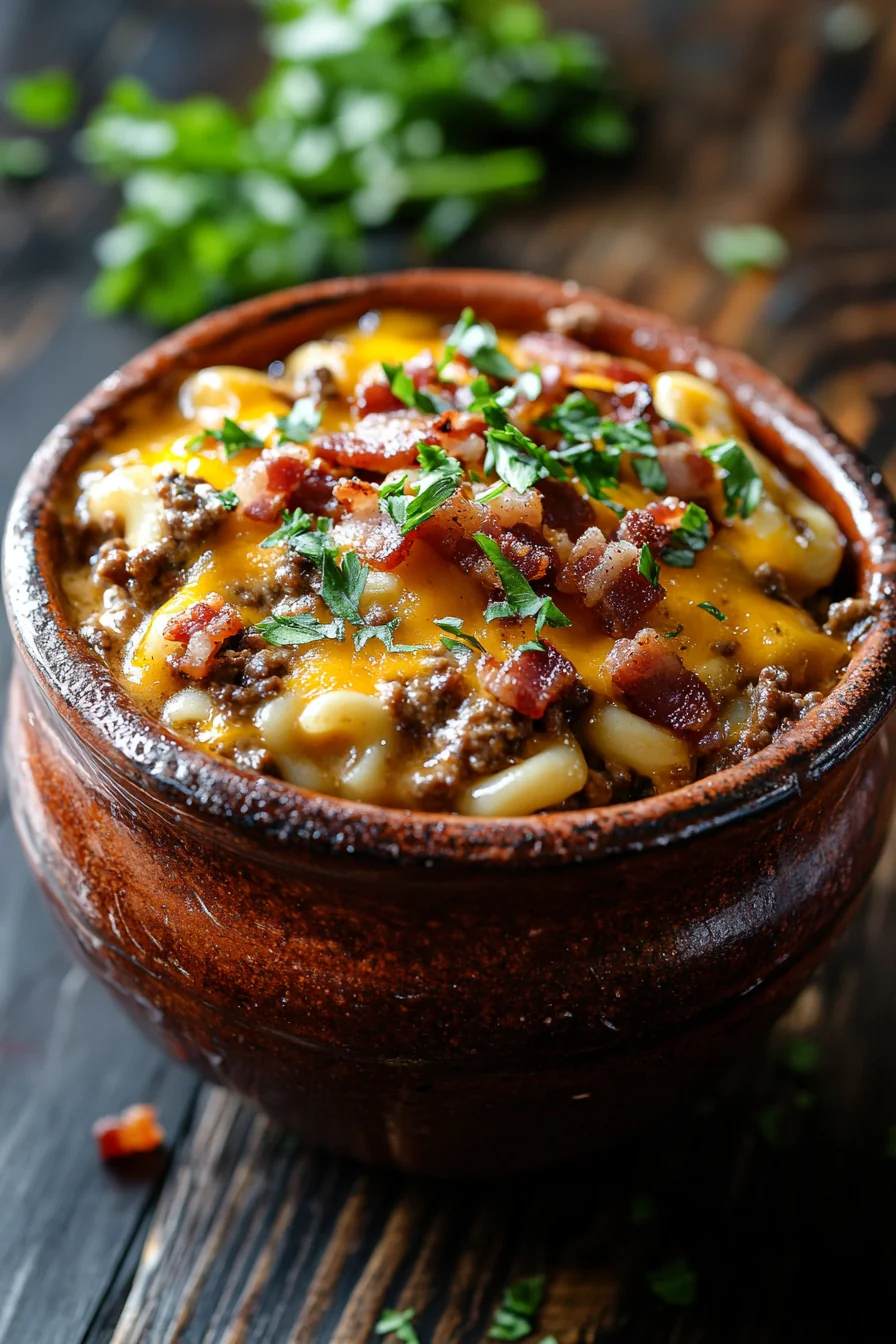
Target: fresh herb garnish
pixel 598 471
pixel 649 472
pixel 386 633
pixel 341 585
pixel 513 1319
pixel 577 418
pixel 518 460
pixel 231 436
pixel 45 100
pixel 713 611
pixel 521 599
pixel 402 386
pixel 228 499
pixel 802 1055
pixel 690 536
pixel 736 248
pixel 648 567
pixel 455 639
pixel 527 385
pixel 478 343
pixel 438 481
pixel 674 1283
pixel 398 1323
pixel 580 422
pixel 301 422
pixel 294 524
pixel 301 629
pixel 741 483
pixel 673 634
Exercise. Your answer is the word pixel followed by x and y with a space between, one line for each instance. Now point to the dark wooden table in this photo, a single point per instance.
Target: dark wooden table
pixel 778 1190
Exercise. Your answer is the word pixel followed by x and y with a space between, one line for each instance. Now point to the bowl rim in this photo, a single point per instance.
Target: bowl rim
pixel 101 716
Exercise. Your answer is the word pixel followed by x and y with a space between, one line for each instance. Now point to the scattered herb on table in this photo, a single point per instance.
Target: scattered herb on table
pixel 802 1055
pixel 674 1282
pixel 45 100
pixel 399 1324
pixel 736 248
pixel 520 1303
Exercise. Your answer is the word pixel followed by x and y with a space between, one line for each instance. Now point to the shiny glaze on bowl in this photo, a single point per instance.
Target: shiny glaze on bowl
pixel 440 993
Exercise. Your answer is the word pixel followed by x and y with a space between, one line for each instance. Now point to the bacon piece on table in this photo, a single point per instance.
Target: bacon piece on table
pixel 136 1130
pixel 530 680
pixel 658 685
pixel 201 629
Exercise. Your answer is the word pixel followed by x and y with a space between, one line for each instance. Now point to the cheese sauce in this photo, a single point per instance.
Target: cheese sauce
pixel 684 625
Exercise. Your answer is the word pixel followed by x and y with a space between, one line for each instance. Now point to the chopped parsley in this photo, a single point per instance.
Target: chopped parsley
pixel 402 386
pixel 520 598
pixel 598 471
pixel 741 483
pixel 649 472
pixel 518 460
pixel 301 422
pixel 690 536
pixel 713 611
pixel 674 1283
pixel 295 523
pixel 341 585
pixel 736 248
pixel 386 633
pixel 478 343
pixel 398 1323
pixel 673 634
pixel 301 629
pixel 513 1319
pixel 228 499
pixel 577 418
pixel 438 481
pixel 648 567
pixel 455 639
pixel 231 436
pixel 527 385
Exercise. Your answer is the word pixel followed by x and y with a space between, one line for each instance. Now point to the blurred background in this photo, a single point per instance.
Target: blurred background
pixel 732 162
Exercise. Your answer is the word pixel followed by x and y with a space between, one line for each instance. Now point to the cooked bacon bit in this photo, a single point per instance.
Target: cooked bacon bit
pixel 658 685
pixel 201 629
pixel 627 600
pixel 383 442
pixel 690 475
pixel 136 1130
pixel 284 479
pixel 653 525
pixel 564 509
pixel 511 508
pixel 375 398
pixel 366 528
pixel 607 576
pixel 584 557
pixel 530 680
pixel 558 348
pixel 451 529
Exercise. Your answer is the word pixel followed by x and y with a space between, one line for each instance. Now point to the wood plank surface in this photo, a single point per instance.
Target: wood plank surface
pixel 778 1190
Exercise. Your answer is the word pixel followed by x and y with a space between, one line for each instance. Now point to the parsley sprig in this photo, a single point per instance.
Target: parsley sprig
pixel 690 537
pixel 231 436
pixel 455 638
pixel 579 420
pixel 399 1324
pixel 402 386
pixel 648 567
pixel 302 533
pixel 438 481
pixel 478 342
pixel 301 422
pixel 301 629
pixel 229 499
pixel 520 598
pixel 513 1319
pixel 741 483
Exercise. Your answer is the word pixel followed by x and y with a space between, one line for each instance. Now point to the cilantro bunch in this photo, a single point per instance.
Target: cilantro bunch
pixel 420 112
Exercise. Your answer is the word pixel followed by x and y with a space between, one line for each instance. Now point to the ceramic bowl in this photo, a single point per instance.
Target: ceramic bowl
pixel 444 994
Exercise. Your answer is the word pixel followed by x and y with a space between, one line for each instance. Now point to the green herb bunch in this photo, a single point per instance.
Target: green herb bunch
pixel 415 112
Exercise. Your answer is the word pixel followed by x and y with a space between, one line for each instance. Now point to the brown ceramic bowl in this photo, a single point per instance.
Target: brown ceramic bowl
pixel 445 994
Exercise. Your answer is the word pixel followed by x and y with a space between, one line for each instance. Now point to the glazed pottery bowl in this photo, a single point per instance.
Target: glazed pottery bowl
pixel 445 994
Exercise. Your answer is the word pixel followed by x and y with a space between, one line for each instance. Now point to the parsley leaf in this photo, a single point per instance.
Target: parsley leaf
pixel 674 1282
pixel 521 598
pixel 301 422
pixel 386 633
pixel 598 471
pixel 341 585
pixel 713 611
pixel 519 1305
pixel 650 473
pixel 735 248
pixel 294 524
pixel 438 481
pixel 478 342
pixel 454 639
pixel 518 460
pixel 46 99
pixel 577 418
pixel 673 634
pixel 314 545
pixel 741 483
pixel 398 1323
pixel 648 567
pixel 231 436
pixel 690 536
pixel 402 386
pixel 228 498
pixel 301 629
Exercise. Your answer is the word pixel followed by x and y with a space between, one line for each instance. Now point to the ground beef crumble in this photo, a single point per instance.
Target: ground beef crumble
pixel 249 672
pixel 850 620
pixel 774 707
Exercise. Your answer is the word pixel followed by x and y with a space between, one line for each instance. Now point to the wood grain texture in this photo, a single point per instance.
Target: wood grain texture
pixel 778 1189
